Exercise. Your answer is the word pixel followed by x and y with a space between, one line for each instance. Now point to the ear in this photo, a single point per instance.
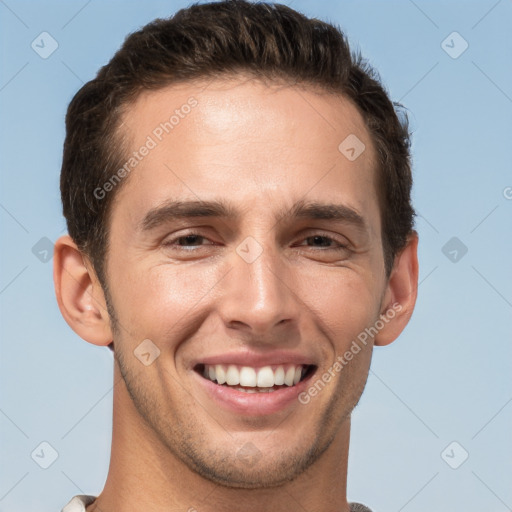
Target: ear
pixel 400 294
pixel 79 294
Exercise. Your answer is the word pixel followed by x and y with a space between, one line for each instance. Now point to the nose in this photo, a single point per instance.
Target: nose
pixel 259 296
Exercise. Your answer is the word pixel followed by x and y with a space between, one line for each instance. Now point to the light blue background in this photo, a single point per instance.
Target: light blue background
pixel 448 377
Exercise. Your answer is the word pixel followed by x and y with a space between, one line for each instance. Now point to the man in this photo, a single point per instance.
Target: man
pixel 237 191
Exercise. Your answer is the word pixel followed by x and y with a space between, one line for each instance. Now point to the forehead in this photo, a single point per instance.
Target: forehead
pixel 226 106
pixel 257 144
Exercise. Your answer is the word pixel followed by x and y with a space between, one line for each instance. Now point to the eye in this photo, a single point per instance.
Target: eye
pixel 326 242
pixel 184 241
pixel 192 242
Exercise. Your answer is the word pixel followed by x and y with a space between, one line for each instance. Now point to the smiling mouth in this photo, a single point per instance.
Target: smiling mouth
pixel 265 379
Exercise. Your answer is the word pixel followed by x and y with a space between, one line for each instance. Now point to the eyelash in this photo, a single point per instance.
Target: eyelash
pixel 171 243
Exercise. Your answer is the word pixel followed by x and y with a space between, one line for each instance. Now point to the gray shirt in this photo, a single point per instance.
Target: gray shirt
pixel 78 504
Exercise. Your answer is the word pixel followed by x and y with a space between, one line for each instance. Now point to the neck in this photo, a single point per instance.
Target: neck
pixel 145 475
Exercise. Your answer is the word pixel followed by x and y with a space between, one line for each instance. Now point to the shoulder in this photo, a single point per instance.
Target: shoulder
pixel 78 503
pixel 357 507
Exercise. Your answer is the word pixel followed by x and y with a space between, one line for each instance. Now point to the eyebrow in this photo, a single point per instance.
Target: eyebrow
pixel 175 209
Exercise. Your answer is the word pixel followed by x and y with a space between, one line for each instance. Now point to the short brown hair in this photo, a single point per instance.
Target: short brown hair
pixel 213 40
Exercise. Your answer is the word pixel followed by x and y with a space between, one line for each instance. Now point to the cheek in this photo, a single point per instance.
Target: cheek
pixel 342 299
pixel 167 302
pixel 156 302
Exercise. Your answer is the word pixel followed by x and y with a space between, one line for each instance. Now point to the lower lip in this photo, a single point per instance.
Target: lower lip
pixel 252 404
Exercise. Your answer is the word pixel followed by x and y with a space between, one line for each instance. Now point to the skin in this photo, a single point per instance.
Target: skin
pixel 260 148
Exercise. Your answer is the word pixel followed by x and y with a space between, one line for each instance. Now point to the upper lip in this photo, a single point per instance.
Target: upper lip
pixel 249 358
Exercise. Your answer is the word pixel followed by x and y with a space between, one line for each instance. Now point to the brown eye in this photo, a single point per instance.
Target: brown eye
pixel 189 240
pixel 184 241
pixel 325 242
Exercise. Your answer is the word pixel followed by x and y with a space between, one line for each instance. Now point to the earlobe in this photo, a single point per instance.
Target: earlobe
pixel 79 294
pixel 401 292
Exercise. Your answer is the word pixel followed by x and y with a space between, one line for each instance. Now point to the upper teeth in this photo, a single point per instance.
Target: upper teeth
pixel 264 377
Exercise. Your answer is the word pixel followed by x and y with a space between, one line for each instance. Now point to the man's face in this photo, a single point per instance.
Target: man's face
pixel 262 286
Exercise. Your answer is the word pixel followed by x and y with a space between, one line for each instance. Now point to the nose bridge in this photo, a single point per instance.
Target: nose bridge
pixel 258 296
